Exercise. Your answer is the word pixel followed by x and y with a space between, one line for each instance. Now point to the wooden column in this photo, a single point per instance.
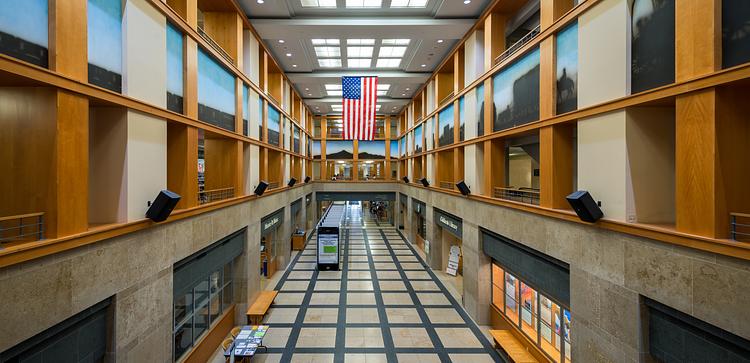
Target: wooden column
pixel 182 163
pixel 355 163
pixel 388 136
pixel 697 38
pixel 70 187
pixel 187 9
pixel 225 28
pixel 190 74
pixel 494 38
pixel 551 10
pixel 556 165
pixel 323 137
pixel 68 45
pixel 547 81
pixel 238 104
pixel 494 166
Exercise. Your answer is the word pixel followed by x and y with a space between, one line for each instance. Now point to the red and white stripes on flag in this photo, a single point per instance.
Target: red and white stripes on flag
pixel 360 97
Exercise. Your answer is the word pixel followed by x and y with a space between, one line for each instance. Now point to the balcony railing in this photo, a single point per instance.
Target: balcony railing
pixel 445 99
pixel 20 228
pixel 214 45
pixel 517 45
pixel 446 185
pixel 215 195
pixel 273 185
pixel 523 195
pixel 739 227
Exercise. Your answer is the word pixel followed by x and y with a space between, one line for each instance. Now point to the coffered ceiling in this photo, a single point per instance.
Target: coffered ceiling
pixel 317 42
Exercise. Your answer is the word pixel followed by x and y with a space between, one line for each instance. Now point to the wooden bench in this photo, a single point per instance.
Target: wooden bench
pixel 260 307
pixel 515 350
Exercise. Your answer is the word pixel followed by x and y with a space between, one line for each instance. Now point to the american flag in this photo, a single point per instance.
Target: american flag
pixel 360 96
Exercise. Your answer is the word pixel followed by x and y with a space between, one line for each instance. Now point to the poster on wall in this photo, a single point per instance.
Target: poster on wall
pixel 328 249
pixel 453 260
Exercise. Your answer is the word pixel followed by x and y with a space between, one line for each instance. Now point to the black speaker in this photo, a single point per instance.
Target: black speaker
pixel 424 182
pixel 585 206
pixel 307 179
pixel 261 188
pixel 463 188
pixel 405 179
pixel 162 206
pixel 292 181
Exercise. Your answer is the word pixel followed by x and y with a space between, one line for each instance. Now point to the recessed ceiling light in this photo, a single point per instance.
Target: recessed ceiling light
pixel 261 1
pixel 407 88
pixel 281 41
pixel 289 54
pixel 467 1
pixel 294 66
pixel 307 89
pixel 424 65
pixel 440 40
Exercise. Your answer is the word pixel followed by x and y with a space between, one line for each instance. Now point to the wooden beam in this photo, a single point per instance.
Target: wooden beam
pixel 494 38
pixel 190 75
pixel 547 81
pixel 552 10
pixel 70 186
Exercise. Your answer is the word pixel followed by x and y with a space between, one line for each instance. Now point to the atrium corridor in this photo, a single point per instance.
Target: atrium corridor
pixel 383 306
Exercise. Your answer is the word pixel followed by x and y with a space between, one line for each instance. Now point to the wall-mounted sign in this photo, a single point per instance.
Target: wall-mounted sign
pixel 418 206
pixel 449 222
pixel 271 221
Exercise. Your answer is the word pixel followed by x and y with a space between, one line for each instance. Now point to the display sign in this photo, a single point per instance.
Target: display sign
pixel 328 249
pixel 449 222
pixel 418 206
pixel 453 258
pixel 355 196
pixel 271 221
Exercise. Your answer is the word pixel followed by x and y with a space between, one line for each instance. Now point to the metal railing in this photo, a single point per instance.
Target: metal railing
pixel 523 195
pixel 24 227
pixel 517 45
pixel 739 227
pixel 214 45
pixel 446 185
pixel 445 99
pixel 215 195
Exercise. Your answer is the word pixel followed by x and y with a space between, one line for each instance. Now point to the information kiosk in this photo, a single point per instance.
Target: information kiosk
pixel 329 230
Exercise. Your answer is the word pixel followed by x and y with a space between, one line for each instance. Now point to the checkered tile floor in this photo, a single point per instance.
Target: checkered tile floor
pixel 383 306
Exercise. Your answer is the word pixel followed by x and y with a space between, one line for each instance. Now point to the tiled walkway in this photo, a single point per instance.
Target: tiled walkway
pixel 383 306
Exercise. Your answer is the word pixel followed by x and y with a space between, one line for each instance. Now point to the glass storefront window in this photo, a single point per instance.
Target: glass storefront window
pixel 529 311
pixel 542 320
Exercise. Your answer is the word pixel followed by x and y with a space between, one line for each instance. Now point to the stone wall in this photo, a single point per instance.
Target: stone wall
pixel 135 269
pixel 609 274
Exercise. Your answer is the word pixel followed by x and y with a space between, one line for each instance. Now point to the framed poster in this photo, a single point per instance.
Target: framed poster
pixel 328 249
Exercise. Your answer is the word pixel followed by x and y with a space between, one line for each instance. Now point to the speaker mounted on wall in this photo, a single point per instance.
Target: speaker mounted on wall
pixel 585 206
pixel 307 179
pixel 261 188
pixel 463 188
pixel 405 179
pixel 162 206
pixel 424 182
pixel 292 181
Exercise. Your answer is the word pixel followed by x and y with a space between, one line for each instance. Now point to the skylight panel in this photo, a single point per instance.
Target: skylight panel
pixel 325 42
pixel 359 52
pixel 333 87
pixel 396 41
pixel 318 3
pixel 360 41
pixel 334 93
pixel 328 51
pixel 359 63
pixel 384 86
pixel 382 93
pixel 329 63
pixel 409 3
pixel 388 62
pixel 364 3
pixel 386 52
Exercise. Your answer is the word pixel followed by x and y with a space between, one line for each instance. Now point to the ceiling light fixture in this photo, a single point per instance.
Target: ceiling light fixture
pixel 261 1
pixel 294 66
pixel 440 40
pixel 424 65
pixel 289 54
pixel 466 1
pixel 281 41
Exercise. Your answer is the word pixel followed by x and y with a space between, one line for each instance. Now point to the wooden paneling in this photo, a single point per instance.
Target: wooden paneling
pixel 494 37
pixel 223 164
pixel 68 46
pixel 695 164
pixel 556 165
pixel 182 163
pixel 226 29
pixel 697 38
pixel 551 10
pixel 187 10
